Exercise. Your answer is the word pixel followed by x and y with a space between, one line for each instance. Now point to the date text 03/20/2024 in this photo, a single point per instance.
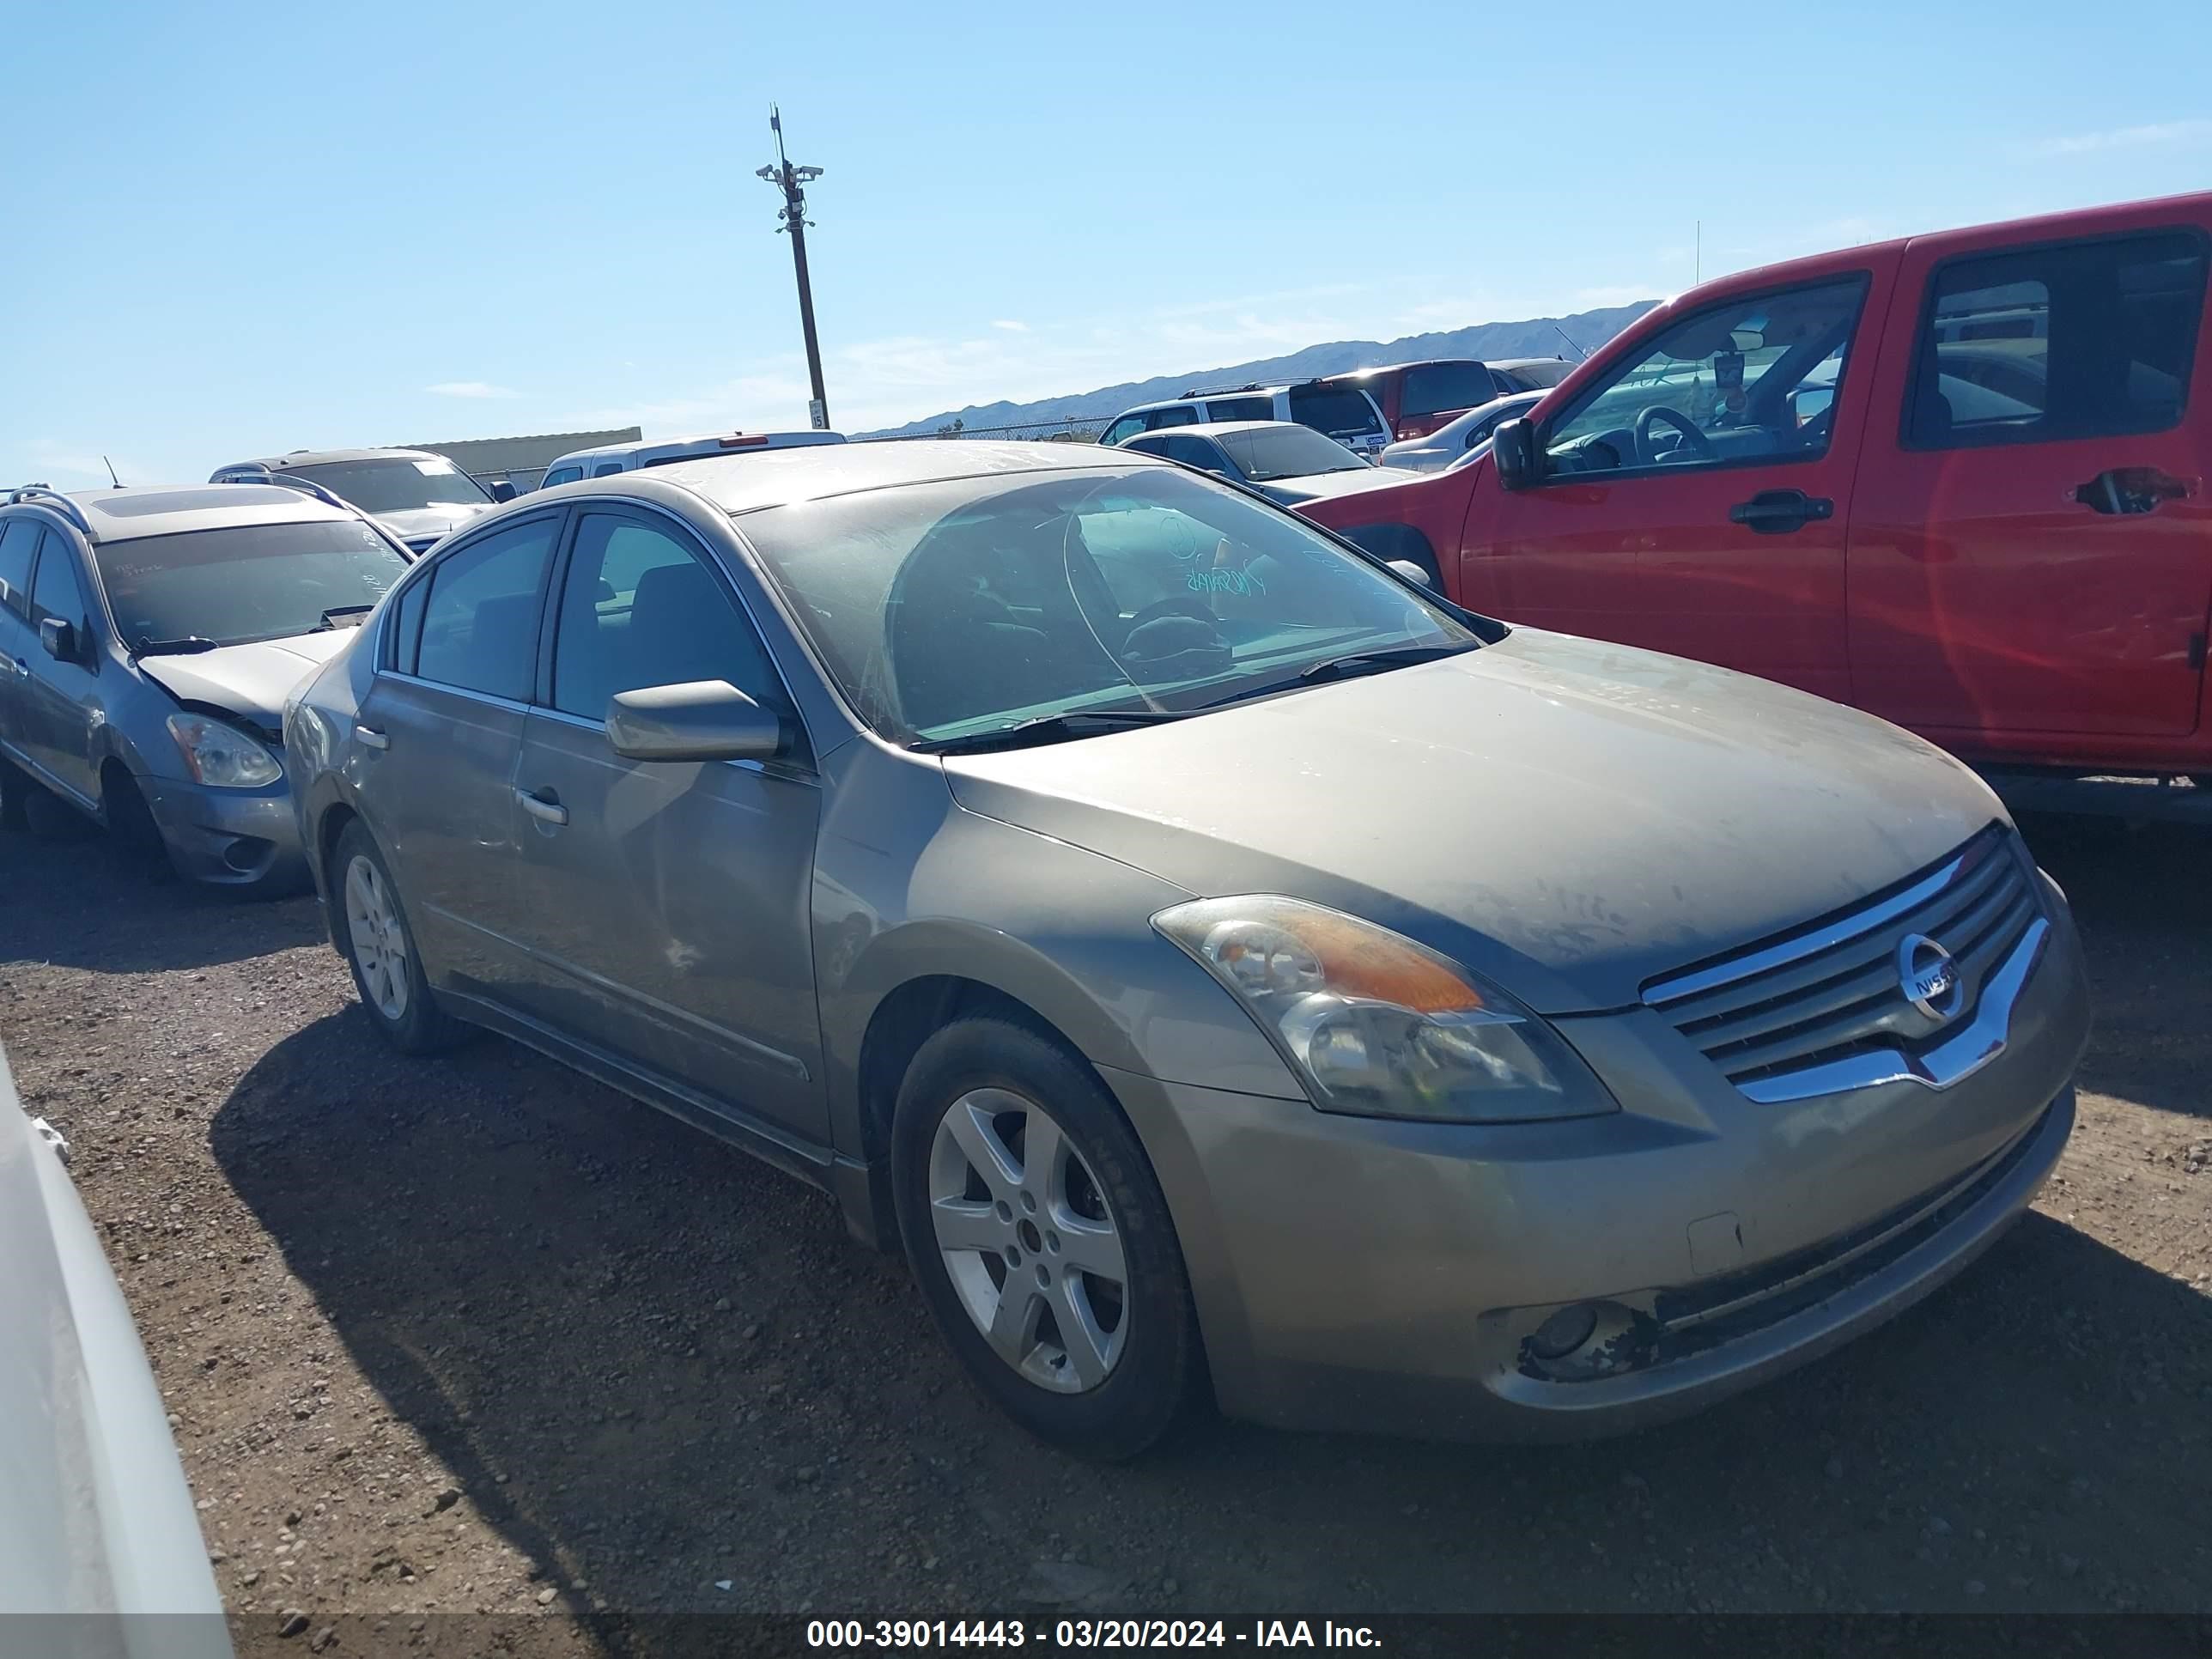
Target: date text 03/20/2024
pixel 1085 1633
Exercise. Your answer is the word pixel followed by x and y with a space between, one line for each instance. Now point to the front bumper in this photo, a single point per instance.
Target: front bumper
pixel 1359 1274
pixel 229 837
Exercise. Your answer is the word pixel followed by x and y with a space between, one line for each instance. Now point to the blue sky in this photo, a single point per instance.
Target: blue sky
pixel 240 230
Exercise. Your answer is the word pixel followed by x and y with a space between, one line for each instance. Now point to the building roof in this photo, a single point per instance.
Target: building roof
pixel 531 452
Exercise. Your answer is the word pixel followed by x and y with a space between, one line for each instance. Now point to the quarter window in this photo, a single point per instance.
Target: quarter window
pixel 1738 383
pixel 639 607
pixel 2078 341
pixel 480 622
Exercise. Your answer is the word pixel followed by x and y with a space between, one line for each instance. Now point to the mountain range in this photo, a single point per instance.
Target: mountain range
pixel 1537 337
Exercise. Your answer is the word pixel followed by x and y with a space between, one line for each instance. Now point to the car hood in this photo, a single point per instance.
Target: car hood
pixel 1569 818
pixel 1319 486
pixel 417 522
pixel 93 1506
pixel 252 680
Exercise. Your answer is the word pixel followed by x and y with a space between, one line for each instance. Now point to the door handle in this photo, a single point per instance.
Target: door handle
pixel 1779 511
pixel 369 738
pixel 545 811
pixel 2130 489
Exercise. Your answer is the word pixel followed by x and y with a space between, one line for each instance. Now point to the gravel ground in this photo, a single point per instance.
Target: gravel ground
pixel 478 1335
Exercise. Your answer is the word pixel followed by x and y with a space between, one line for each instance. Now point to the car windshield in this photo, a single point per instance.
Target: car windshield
pixel 401 484
pixel 247 582
pixel 1285 450
pixel 952 609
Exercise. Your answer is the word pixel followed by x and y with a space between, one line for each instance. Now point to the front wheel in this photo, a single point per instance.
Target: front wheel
pixel 1041 1241
pixel 387 970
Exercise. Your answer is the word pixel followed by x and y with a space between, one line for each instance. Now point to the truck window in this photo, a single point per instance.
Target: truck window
pixel 1240 409
pixel 2075 341
pixel 1340 411
pixel 1719 388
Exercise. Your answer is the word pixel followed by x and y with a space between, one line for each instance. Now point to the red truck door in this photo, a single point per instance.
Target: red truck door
pixel 2030 549
pixel 1693 495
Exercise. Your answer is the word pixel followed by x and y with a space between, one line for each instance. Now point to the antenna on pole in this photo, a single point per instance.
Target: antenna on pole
pixel 110 466
pixel 1569 339
pixel 792 180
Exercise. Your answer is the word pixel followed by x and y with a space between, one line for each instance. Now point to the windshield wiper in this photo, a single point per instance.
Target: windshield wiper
pixel 1048 728
pixel 342 615
pixel 1374 662
pixel 187 646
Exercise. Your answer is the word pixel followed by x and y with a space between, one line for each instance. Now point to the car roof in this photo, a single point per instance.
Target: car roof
pixel 119 515
pixel 778 477
pixel 643 445
pixel 1216 428
pixel 1412 362
pixel 320 456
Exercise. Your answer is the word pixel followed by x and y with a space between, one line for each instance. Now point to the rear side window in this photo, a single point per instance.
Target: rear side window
pixel 19 539
pixel 480 623
pixel 1241 408
pixel 1431 388
pixel 1174 415
pixel 1340 411
pixel 2082 340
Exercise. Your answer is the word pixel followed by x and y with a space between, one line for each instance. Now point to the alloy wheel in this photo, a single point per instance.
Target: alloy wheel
pixel 1028 1241
pixel 380 944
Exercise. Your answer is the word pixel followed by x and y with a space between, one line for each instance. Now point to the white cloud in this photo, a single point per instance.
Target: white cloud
pixel 472 389
pixel 2194 130
pixel 1011 326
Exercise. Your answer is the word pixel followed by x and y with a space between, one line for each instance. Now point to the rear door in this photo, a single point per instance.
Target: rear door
pixel 1693 494
pixel 668 905
pixel 443 726
pixel 2031 549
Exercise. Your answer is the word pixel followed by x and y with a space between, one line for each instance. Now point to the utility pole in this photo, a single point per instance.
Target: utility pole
pixel 791 181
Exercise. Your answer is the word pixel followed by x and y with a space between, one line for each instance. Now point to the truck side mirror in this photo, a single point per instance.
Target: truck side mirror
pixel 1513 452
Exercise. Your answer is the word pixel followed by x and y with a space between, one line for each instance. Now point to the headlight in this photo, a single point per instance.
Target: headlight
pixel 1379 1026
pixel 221 755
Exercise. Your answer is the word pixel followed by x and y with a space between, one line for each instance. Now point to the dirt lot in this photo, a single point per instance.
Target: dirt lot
pixel 478 1335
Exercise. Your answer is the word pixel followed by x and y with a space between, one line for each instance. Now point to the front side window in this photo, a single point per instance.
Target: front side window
pixel 1128 427
pixel 401 484
pixel 245 582
pixel 638 608
pixel 1340 411
pixel 961 608
pixel 19 541
pixel 1719 388
pixel 1433 388
pixel 480 617
pixel 606 469
pixel 58 590
pixel 2077 341
pixel 561 475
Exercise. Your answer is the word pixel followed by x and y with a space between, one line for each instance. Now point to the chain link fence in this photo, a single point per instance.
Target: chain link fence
pixel 1072 429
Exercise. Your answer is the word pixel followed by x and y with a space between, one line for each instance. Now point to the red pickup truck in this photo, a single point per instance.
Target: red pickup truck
pixel 1956 480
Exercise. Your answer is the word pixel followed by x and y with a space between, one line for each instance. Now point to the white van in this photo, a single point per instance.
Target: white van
pixel 659 452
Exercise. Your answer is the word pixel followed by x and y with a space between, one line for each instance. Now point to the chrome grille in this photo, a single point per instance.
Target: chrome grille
pixel 1825 1008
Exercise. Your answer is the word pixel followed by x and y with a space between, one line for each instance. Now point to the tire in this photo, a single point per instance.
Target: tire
pixel 974 1097
pixel 133 836
pixel 378 944
pixel 15 787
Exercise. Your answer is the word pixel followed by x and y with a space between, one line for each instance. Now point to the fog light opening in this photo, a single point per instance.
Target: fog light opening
pixel 1563 1332
pixel 244 854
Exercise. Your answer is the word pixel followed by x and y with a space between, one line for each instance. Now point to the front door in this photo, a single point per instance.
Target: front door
pixel 19 648
pixel 1693 497
pixel 2030 551
pixel 441 730
pixel 669 903
pixel 61 706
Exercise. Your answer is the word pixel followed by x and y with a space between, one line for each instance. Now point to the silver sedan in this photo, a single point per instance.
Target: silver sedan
pixel 1219 964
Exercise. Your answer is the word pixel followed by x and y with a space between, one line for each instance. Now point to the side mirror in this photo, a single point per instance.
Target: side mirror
pixel 1513 452
pixel 1411 572
pixel 702 720
pixel 60 639
pixel 502 489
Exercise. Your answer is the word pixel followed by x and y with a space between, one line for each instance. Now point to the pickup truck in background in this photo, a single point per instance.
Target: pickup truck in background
pixel 1956 480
